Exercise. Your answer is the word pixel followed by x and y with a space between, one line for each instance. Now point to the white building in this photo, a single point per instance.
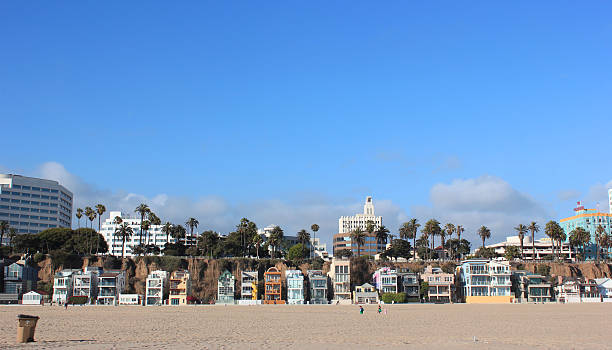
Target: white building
pixel 156 287
pixel 31 205
pixel 295 287
pixel 110 285
pixel 348 224
pixel 85 283
pixel 385 279
pixel 319 249
pixel 115 244
pixel 604 286
pixel 543 247
pixel 32 298
pixel 62 286
pixel 248 280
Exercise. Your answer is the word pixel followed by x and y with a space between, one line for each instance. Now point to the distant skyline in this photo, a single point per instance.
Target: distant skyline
pixel 291 114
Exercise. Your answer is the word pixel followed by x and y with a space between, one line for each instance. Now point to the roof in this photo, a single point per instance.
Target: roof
pixel 109 274
pixel 366 285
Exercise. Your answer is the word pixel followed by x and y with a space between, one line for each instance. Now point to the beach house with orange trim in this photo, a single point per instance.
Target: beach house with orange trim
pixel 273 287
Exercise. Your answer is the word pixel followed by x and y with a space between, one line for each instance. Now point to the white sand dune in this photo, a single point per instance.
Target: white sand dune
pixel 554 326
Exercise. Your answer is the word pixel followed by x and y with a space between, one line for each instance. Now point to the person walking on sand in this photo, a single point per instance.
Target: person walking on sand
pixel 379 308
pixel 360 310
pixel 66 305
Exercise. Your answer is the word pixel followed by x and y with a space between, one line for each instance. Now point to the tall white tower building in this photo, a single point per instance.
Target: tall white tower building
pixel 349 223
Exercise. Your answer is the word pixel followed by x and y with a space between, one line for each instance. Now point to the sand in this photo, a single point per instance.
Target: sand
pixel 554 326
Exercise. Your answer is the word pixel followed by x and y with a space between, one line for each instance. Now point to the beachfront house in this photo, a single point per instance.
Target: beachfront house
pixel 62 286
pixel 180 287
pixel 317 282
pixel 577 290
pixel 248 285
pixel 272 292
pixel 340 275
pixel 365 294
pixel 85 284
pixel 156 287
pixel 604 286
pixel 485 281
pixel 295 287
pixel 110 285
pixel 225 288
pixel 409 284
pixel 441 285
pixel 530 287
pixel 130 299
pixel 385 280
pixel 19 278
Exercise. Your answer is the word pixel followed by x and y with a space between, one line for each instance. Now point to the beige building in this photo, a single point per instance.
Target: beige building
pixel 441 284
pixel 340 275
pixel 180 287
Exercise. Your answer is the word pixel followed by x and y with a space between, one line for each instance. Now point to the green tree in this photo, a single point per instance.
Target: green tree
pixel 486 253
pixel 599 231
pixel 399 248
pixel 12 234
pixel 297 252
pixel 303 237
pixel 315 229
pixel 358 236
pixel 167 229
pixel 4 228
pixel 346 253
pixel 178 233
pixel 192 223
pixel 370 226
pixel 410 230
pixel 533 227
pixel 142 209
pixel 276 238
pixel 459 230
pixel 448 230
pixel 257 241
pixel 577 239
pixel 431 229
pixel 381 236
pixel 100 210
pixel 124 232
pixel 555 232
pixel 511 252
pixel 91 215
pixel 79 215
pixel 521 230
pixel 459 247
pixel 484 234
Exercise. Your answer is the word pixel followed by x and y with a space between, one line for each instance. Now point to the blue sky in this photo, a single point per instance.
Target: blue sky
pixel 292 113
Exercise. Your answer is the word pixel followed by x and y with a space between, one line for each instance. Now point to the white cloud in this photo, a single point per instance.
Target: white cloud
pixel 566 195
pixel 598 193
pixel 486 200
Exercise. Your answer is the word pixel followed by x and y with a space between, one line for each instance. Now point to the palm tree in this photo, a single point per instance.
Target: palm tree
pixel 143 210
pixel 381 235
pixel 484 234
pixel 554 231
pixel 315 229
pixel 124 231
pixel 432 228
pixel 100 209
pixel 4 227
pixel 154 221
pixel 88 214
pixel 304 237
pixel 358 236
pixel 521 230
pixel 410 229
pixel 599 231
pixel 145 226
pixel 167 229
pixel 178 233
pixel 449 229
pixel 459 231
pixel 191 223
pixel 79 215
pixel 276 238
pixel 533 227
pixel 257 240
pixel 12 234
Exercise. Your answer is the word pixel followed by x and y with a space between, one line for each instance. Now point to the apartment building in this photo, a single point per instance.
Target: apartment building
pixel 485 281
pixel 156 287
pixel 441 285
pixel 295 287
pixel 110 285
pixel 225 288
pixel 180 287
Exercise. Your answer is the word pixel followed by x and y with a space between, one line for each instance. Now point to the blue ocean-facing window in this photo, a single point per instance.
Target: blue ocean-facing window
pixel 5 199
pixel 26 188
pixel 35 188
pixel 45 190
pixel 3 214
pixel 44 197
pixel 4 206
pixel 35 196
pixel 14 215
pixel 22 216
pixel 54 191
pixel 17 187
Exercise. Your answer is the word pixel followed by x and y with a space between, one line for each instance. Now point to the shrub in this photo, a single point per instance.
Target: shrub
pixel 38 257
pixel 543 270
pixel 389 298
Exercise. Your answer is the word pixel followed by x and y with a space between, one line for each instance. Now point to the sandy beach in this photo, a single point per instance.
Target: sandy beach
pixel 584 326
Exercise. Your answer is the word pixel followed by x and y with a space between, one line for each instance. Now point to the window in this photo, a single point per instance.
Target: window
pixel 26 188
pixel 35 188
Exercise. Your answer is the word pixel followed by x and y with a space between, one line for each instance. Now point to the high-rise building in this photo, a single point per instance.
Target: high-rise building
pixel 348 224
pixel 31 205
pixel 588 219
